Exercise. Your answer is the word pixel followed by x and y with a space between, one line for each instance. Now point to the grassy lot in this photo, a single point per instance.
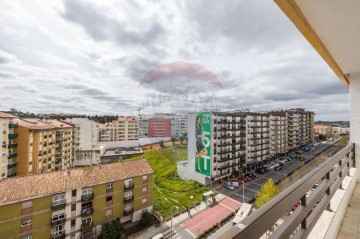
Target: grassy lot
pixel 169 189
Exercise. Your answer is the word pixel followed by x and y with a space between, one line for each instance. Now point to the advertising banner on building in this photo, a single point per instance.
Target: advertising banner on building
pixel 203 143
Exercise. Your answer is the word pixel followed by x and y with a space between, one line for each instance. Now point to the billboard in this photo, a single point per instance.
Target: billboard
pixel 203 143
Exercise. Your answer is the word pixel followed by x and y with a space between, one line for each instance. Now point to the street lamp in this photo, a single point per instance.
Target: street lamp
pixel 243 185
pixel 172 213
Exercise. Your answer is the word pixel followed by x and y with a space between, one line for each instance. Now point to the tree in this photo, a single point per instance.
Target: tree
pixel 173 139
pixel 146 218
pixel 162 145
pixel 181 138
pixel 322 137
pixel 111 230
pixel 266 193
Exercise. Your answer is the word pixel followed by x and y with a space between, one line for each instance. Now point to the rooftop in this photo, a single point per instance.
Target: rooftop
pixel 35 123
pixel 22 188
pixel 5 115
pixel 321 126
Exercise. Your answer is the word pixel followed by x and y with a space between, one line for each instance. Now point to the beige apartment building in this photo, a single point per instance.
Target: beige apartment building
pixel 323 129
pixel 123 129
pixel 8 146
pixel 300 127
pixel 75 203
pixel 278 133
pixel 43 146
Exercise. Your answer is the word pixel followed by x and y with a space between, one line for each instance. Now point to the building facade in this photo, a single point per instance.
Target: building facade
pixel 86 150
pixel 159 127
pixel 124 129
pixel 323 129
pixel 8 146
pixel 75 203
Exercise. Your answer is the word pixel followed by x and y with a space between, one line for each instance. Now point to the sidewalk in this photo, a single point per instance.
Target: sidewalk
pixel 165 226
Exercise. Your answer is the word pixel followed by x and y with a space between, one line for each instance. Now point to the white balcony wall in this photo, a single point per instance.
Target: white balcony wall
pixel 355 115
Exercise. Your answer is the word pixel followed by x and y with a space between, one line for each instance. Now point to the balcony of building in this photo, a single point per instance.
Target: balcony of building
pixel 87 209
pixel 58 222
pixel 13 125
pixel 13 136
pixel 87 197
pixel 129 186
pixel 12 145
pixel 12 155
pixel 128 211
pixel 58 205
pixel 128 199
pixel 11 164
pixel 86 226
pixel 58 235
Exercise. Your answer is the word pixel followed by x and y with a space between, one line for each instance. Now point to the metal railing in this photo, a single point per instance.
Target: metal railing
pixel 329 175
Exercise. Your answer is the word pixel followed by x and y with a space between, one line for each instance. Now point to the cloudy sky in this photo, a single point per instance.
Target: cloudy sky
pixel 74 56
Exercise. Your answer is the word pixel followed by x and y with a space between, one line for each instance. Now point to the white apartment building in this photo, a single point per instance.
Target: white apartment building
pixel 85 142
pixel 278 133
pixel 8 146
pixel 124 129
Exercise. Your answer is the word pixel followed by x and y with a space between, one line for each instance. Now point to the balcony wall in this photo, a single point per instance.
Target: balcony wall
pixel 354 92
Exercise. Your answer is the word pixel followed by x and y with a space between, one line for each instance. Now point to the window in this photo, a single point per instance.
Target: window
pixel 26 204
pixel 73 222
pixel 109 185
pixel 4 132
pixel 145 178
pixel 144 200
pixel 109 198
pixel 73 207
pixel 73 192
pixel 128 194
pixel 86 191
pixel 26 222
pixel 128 207
pixel 59 199
pixel 87 220
pixel 27 237
pixel 144 189
pixel 58 217
pixel 108 213
pixel 58 230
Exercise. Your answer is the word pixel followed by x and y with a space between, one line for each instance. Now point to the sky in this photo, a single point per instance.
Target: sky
pixel 93 57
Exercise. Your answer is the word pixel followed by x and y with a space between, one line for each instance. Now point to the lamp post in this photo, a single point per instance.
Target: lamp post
pixel 243 185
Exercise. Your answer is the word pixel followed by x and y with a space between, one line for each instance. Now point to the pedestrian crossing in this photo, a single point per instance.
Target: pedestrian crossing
pixel 174 234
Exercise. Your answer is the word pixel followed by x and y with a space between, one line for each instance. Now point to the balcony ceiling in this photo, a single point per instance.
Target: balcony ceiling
pixel 333 29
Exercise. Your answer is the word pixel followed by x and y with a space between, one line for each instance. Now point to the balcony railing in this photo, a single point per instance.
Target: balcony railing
pixel 86 226
pixel 87 211
pixel 58 235
pixel 12 136
pixel 58 222
pixel 128 211
pixel 11 146
pixel 13 125
pixel 87 197
pixel 11 174
pixel 13 155
pixel 58 206
pixel 129 186
pixel 300 223
pixel 128 199
pixel 11 165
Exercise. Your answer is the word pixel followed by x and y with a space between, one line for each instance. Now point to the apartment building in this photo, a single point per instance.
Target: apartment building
pixel 75 203
pixel 43 146
pixel 258 137
pixel 130 127
pixel 159 127
pixel 8 146
pixel 86 150
pixel 278 133
pixel 178 125
pixel 340 130
pixel 231 142
pixel 323 129
pixel 123 129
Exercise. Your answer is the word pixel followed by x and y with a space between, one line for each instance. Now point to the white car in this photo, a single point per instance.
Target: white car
pixel 229 186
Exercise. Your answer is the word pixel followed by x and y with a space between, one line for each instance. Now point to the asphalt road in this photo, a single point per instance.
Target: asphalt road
pixel 250 188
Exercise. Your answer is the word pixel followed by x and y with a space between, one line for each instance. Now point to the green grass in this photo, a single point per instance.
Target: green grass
pixel 168 184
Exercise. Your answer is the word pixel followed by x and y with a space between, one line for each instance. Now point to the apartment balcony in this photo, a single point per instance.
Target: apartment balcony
pixel 86 226
pixel 86 211
pixel 58 206
pixel 12 146
pixel 319 213
pixel 12 174
pixel 129 186
pixel 58 222
pixel 13 136
pixel 13 126
pixel 58 235
pixel 128 211
pixel 129 199
pixel 87 197
pixel 11 165
pixel 12 155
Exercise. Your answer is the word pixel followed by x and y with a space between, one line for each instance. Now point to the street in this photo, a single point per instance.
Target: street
pixel 253 186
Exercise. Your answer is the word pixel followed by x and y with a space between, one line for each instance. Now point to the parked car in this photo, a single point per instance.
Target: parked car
pixel 235 184
pixel 251 175
pixel 331 153
pixel 229 186
pixel 301 158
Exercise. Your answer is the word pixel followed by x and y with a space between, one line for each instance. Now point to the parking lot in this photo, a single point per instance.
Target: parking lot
pixel 250 188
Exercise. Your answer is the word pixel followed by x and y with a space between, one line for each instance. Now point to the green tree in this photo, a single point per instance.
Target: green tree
pixel 322 137
pixel 162 145
pixel 266 193
pixel 111 230
pixel 146 218
pixel 173 139
pixel 181 138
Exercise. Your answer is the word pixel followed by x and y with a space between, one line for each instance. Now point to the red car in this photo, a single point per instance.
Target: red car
pixel 295 206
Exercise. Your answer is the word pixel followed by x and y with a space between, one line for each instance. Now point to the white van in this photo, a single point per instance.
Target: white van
pixel 158 236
